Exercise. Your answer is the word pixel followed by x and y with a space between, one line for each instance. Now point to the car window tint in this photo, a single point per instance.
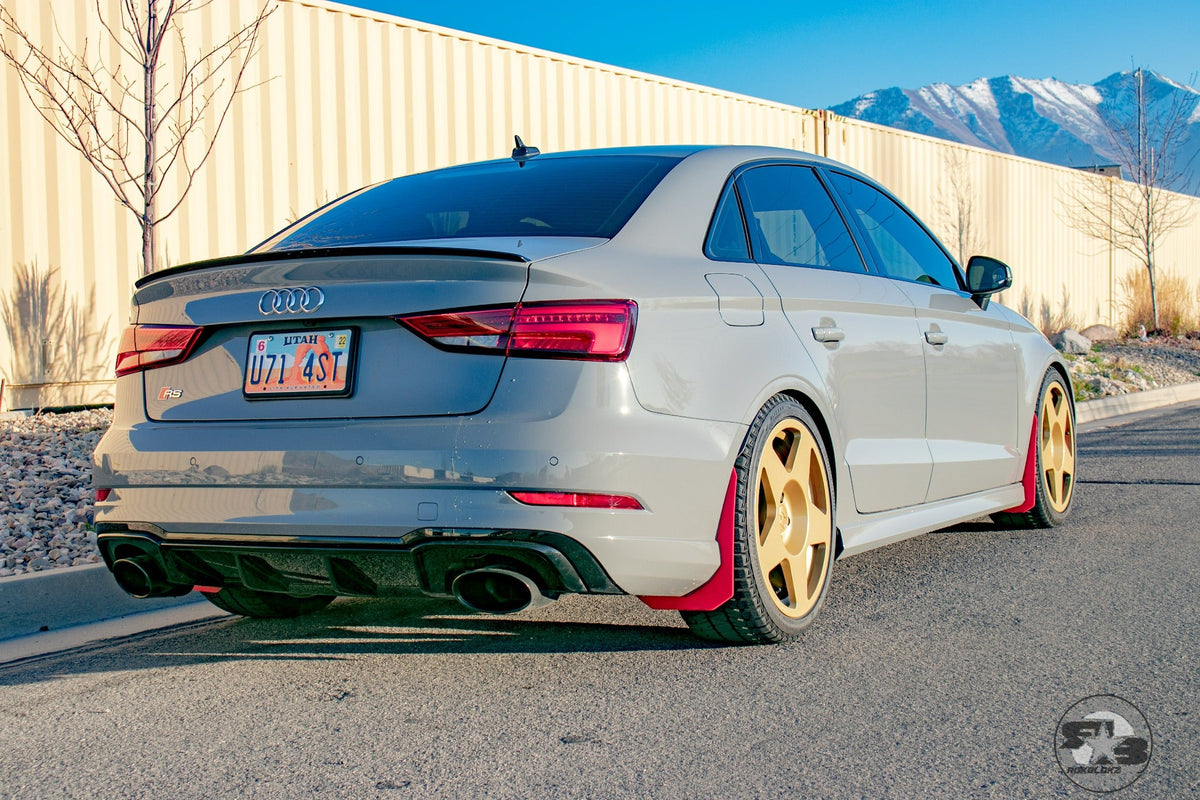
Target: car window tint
pixel 793 220
pixel 906 250
pixel 591 196
pixel 727 237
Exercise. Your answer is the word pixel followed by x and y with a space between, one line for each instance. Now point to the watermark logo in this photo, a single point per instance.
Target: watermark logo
pixel 1103 743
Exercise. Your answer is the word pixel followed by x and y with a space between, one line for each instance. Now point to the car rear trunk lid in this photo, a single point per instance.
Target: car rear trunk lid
pixel 333 303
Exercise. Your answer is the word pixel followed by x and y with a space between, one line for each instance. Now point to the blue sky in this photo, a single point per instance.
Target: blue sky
pixel 819 54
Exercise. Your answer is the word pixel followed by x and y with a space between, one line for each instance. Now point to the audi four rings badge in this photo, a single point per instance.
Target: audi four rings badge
pixel 291 301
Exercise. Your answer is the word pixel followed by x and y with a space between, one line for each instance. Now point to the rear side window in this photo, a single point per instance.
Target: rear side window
pixel 793 220
pixel 591 196
pixel 727 237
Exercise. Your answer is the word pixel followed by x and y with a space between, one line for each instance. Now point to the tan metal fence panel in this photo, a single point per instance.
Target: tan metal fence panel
pixel 347 97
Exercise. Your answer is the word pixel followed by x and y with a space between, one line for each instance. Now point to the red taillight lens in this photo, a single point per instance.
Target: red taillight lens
pixel 149 346
pixel 577 500
pixel 596 330
pixel 102 495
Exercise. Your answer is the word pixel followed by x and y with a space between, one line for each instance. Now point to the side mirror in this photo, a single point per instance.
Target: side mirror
pixel 985 277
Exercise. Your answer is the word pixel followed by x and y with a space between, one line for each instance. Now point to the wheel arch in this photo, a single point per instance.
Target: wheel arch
pixel 1065 374
pixel 823 428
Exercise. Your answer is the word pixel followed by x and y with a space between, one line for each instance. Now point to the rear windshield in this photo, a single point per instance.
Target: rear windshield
pixel 576 196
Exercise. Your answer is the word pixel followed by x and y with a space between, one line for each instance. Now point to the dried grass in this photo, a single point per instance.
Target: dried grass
pixel 1178 310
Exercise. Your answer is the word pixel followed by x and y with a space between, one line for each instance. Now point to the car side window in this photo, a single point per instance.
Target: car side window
pixel 905 249
pixel 727 235
pixel 793 220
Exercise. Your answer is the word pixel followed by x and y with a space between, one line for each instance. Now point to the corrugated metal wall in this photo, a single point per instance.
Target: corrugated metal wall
pixel 349 97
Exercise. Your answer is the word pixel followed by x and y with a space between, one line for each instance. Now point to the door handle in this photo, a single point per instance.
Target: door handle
pixel 828 334
pixel 936 337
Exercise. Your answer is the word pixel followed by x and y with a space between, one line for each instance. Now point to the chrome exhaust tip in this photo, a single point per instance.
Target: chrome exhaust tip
pixel 497 591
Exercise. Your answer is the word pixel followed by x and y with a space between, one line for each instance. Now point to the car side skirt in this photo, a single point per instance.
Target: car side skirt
pixel 866 532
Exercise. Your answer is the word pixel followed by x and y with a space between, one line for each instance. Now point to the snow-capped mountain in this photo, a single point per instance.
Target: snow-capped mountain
pixel 1045 119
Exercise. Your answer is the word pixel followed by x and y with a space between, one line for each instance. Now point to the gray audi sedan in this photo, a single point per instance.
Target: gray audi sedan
pixel 698 375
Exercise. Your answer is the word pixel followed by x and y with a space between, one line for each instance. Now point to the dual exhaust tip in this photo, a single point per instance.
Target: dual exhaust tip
pixel 491 590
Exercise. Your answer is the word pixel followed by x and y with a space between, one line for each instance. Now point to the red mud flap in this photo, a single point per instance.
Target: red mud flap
pixel 1029 480
pixel 719 588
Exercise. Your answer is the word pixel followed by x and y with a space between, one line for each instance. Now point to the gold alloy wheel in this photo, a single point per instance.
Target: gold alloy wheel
pixel 793 522
pixel 1058 447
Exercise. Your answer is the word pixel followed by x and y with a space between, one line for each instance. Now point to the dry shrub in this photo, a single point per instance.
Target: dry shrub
pixel 1178 311
pixel 1049 318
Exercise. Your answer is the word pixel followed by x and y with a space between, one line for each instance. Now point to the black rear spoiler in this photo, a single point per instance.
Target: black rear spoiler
pixel 330 252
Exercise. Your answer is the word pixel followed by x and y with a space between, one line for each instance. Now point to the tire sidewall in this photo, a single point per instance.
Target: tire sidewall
pixel 778 409
pixel 1044 507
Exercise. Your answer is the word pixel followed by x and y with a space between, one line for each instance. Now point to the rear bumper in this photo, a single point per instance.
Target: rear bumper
pixel 390 485
pixel 425 561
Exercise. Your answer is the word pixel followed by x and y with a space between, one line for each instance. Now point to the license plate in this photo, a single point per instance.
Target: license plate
pixel 309 363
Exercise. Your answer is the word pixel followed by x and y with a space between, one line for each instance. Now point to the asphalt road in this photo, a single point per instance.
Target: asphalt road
pixel 940 668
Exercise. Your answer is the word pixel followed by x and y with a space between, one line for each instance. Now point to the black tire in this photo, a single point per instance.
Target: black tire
pixel 1055 454
pixel 763 608
pixel 273 605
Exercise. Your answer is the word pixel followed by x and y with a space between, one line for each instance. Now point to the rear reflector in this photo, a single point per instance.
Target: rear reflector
pixel 594 330
pixel 102 495
pixel 148 346
pixel 577 500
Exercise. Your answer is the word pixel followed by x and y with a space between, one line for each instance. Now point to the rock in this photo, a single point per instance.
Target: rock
pixel 45 490
pixel 1101 333
pixel 1071 342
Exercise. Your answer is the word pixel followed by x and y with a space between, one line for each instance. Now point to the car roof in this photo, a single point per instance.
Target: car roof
pixel 732 153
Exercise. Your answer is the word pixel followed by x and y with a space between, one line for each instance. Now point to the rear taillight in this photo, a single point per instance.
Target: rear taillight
pixel 148 346
pixel 578 500
pixel 594 330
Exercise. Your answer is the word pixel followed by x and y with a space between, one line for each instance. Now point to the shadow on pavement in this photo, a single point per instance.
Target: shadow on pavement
pixel 352 627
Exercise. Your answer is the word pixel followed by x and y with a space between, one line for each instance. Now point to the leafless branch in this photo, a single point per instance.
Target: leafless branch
pixel 956 206
pixel 1136 215
pixel 136 133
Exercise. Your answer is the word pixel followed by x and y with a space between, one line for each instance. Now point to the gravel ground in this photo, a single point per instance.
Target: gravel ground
pixel 46 475
pixel 1114 368
pixel 46 490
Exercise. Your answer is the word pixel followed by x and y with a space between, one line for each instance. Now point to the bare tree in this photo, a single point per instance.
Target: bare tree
pixel 1136 216
pixel 133 124
pixel 956 206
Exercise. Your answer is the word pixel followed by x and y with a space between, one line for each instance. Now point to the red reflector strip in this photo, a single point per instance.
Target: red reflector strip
pixel 147 346
pixel 597 330
pixel 577 500
pixel 102 495
pixel 206 589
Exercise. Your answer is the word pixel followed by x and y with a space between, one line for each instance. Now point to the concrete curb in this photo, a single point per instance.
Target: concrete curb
pixel 1106 407
pixel 64 598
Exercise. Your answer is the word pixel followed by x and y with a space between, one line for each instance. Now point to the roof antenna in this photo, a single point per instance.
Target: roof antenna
pixel 522 153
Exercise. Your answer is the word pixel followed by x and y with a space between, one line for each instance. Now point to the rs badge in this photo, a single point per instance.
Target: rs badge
pixel 167 393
